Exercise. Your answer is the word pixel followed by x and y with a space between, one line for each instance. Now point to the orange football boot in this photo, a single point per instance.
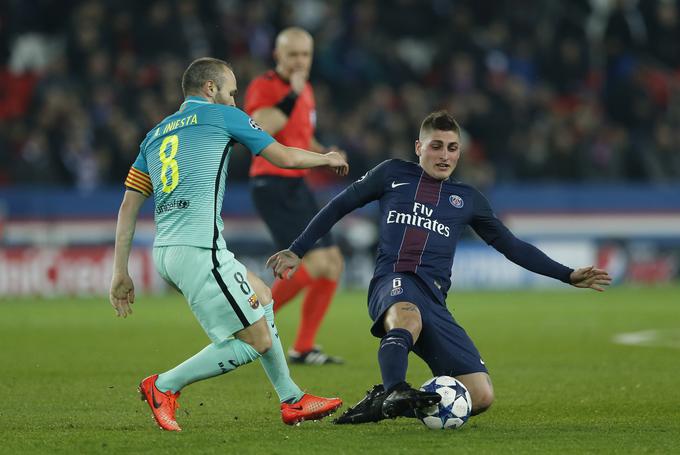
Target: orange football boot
pixel 162 404
pixel 309 407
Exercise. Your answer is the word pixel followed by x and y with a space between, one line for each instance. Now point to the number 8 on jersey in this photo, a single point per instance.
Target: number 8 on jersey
pixel 169 161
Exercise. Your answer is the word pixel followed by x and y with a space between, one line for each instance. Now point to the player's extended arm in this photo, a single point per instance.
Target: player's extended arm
pixel 318 147
pixel 286 261
pixel 531 258
pixel 295 158
pixel 526 255
pixel 368 188
pixel 122 293
pixel 271 119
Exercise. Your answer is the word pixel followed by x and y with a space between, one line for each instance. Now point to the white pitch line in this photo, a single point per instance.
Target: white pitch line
pixel 667 338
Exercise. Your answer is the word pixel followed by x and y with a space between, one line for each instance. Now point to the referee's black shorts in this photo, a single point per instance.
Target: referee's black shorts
pixel 286 205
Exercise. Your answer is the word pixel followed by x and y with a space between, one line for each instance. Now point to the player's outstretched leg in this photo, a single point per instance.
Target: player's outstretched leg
pixel 163 404
pixel 379 404
pixel 309 407
pixel 161 391
pixel 296 406
pixel 369 409
pixel 274 362
pixel 404 398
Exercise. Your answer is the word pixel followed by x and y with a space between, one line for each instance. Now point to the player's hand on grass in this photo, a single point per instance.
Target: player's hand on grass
pixel 590 277
pixel 283 264
pixel 122 294
pixel 338 162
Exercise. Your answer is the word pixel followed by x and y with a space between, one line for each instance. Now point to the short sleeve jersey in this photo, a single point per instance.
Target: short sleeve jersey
pixel 266 91
pixel 183 162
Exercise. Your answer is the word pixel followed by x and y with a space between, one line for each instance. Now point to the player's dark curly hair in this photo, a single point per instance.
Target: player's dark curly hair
pixel 439 120
pixel 201 70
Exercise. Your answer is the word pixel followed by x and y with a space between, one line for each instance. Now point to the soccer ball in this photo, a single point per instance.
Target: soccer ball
pixel 454 409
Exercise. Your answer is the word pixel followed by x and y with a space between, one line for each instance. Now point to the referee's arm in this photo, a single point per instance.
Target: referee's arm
pixel 274 118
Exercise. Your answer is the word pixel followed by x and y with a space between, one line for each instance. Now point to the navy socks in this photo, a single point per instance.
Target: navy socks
pixel 393 357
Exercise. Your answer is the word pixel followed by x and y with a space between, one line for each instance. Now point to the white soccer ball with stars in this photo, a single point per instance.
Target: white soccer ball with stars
pixel 454 409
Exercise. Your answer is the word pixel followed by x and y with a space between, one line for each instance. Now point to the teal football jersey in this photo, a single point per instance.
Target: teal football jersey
pixel 183 161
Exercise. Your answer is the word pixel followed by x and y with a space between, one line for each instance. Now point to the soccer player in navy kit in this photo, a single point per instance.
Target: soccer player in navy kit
pixel 424 212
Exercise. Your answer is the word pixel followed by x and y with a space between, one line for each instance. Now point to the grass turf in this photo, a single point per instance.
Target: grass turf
pixel 69 371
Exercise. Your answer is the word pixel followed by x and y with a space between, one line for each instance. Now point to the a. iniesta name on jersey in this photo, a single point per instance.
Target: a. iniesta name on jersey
pixel 179 123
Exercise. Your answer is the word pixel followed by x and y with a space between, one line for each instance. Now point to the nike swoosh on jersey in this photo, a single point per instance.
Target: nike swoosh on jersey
pixel 395 184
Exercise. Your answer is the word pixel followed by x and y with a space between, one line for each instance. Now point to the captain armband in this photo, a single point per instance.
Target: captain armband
pixel 287 103
pixel 139 181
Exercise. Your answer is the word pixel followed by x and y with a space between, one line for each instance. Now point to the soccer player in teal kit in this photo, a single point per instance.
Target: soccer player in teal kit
pixel 183 163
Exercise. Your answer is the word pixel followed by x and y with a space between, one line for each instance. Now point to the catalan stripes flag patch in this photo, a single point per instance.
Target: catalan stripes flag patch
pixel 139 181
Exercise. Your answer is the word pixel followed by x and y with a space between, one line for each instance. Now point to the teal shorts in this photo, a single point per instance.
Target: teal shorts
pixel 215 284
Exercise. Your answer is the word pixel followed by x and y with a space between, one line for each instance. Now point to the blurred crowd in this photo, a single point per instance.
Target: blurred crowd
pixel 578 91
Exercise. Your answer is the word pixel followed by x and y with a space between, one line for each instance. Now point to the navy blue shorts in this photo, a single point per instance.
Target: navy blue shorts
pixel 287 205
pixel 443 344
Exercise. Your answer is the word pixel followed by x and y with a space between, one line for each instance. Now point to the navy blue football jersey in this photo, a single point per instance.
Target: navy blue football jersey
pixel 421 221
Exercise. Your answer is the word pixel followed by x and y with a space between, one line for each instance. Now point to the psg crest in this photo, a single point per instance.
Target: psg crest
pixel 456 201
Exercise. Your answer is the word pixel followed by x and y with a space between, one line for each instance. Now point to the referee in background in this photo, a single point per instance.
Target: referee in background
pixel 282 102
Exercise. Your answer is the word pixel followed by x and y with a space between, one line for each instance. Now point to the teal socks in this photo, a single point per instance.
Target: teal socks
pixel 275 365
pixel 216 359
pixel 213 360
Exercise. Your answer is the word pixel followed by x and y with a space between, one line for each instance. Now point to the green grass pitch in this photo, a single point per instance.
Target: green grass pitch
pixel 69 371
